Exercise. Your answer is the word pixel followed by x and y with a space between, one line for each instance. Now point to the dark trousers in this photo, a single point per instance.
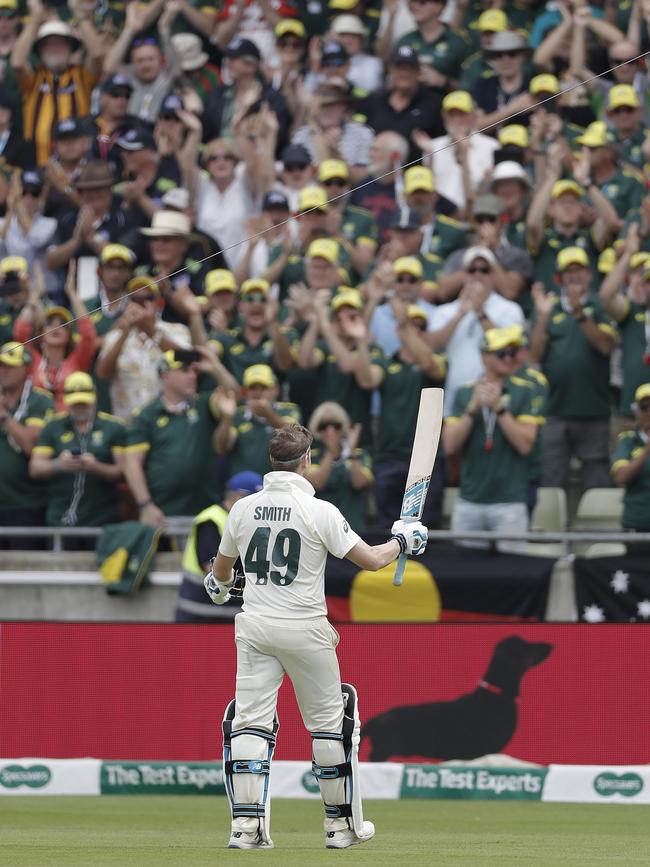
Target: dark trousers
pixel 585 438
pixel 390 479
pixel 22 518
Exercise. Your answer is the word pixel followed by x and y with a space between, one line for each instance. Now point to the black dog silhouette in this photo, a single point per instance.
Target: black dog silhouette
pixel 479 723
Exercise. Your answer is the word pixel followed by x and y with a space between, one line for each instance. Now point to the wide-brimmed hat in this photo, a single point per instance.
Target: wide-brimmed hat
pixel 167 223
pixel 56 28
pixel 95 175
pixel 506 40
pixel 189 51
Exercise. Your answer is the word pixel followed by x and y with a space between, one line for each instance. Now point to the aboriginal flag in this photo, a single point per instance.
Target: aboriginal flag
pixel 613 589
pixel 447 583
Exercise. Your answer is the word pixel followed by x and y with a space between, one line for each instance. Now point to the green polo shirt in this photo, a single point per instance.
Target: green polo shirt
pixel 338 490
pixel 237 353
pixel 81 499
pixel 636 499
pixel 472 68
pixel 294 270
pixel 179 456
pixel 552 242
pixel 448 236
pixel 251 448
pixel 634 216
pixel 400 401
pixel 624 190
pixel 446 53
pixel 578 374
pixel 103 325
pixel 8 316
pixel 17 490
pixel 540 405
pixel 359 225
pixel 631 150
pixel 636 353
pixel 501 474
pixel 333 384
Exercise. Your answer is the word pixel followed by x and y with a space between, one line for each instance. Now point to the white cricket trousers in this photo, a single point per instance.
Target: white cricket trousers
pixel 306 651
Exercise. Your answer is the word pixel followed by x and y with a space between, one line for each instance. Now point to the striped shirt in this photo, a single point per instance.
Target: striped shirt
pixel 49 98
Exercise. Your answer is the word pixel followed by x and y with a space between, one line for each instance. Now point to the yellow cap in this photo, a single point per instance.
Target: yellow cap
pixel 333 169
pixel 544 83
pixel 622 95
pixel 324 248
pixel 14 263
pixel 408 265
pixel 255 284
pixel 290 25
pixel 492 20
pixel 345 5
pixel 219 280
pixel 418 178
pixel 565 186
pixel 15 354
pixel 460 100
pixel 607 260
pixel 646 272
pixel 596 135
pixel 642 391
pixel 259 374
pixel 117 251
pixel 571 256
pixel 60 312
pixel 415 312
pixel 514 134
pixel 349 298
pixel 498 338
pixel 638 259
pixel 78 388
pixel 144 281
pixel 9 4
pixel 312 198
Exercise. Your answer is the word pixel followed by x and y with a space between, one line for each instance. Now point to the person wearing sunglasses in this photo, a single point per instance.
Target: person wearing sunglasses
pixel 494 423
pixel 245 429
pixel 572 339
pixel 458 326
pixel 631 468
pixel 513 267
pixel 505 92
pixel 624 115
pixel 340 471
pixel 24 229
pixel 258 338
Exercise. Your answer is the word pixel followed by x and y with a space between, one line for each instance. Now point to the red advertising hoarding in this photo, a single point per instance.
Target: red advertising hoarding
pixel 544 693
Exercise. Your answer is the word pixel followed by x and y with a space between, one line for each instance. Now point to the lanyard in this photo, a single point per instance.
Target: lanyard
pixel 489 420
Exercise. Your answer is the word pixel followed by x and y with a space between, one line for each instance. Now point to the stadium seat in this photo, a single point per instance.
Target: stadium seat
pixel 599 509
pixel 606 549
pixel 550 512
pixel 449 498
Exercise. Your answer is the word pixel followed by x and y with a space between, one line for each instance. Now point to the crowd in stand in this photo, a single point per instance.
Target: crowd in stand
pixel 219 218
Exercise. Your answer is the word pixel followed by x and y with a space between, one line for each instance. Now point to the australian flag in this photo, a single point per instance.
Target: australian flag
pixel 613 589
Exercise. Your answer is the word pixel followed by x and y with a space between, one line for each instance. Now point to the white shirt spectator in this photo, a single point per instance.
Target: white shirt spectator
pixel 446 169
pixel 463 353
pixel 223 215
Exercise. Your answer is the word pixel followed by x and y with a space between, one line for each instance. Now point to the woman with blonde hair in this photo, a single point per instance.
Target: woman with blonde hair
pixel 340 471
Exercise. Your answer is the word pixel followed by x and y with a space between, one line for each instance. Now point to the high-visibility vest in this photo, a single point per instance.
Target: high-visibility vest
pixel 191 564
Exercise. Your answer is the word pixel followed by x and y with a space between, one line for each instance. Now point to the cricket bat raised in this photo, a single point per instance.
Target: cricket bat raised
pixel 423 455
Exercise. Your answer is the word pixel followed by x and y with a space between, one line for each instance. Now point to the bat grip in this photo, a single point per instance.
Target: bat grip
pixel 399 570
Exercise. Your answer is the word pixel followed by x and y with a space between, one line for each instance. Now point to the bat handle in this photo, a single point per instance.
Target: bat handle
pixel 399 570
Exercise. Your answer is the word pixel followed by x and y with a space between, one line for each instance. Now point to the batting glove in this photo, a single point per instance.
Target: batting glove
pixel 412 536
pixel 218 592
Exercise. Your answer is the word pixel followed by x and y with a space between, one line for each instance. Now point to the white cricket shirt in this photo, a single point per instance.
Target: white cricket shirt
pixel 282 535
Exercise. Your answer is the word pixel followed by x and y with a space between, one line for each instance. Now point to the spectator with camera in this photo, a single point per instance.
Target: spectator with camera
pixel 24 410
pixel 24 230
pixel 494 425
pixel 173 430
pixel 79 454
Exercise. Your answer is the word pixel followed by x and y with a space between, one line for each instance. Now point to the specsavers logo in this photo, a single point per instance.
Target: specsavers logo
pixel 35 776
pixel 608 784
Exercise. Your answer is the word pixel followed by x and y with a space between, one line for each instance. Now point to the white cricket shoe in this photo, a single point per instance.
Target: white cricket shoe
pixel 245 840
pixel 347 837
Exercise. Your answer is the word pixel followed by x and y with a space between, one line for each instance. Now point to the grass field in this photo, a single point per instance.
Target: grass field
pixel 192 831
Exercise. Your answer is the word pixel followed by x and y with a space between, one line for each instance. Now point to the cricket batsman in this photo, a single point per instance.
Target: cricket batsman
pixel 283 535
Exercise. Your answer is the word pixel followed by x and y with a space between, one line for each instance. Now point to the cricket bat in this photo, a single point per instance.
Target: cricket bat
pixel 423 455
